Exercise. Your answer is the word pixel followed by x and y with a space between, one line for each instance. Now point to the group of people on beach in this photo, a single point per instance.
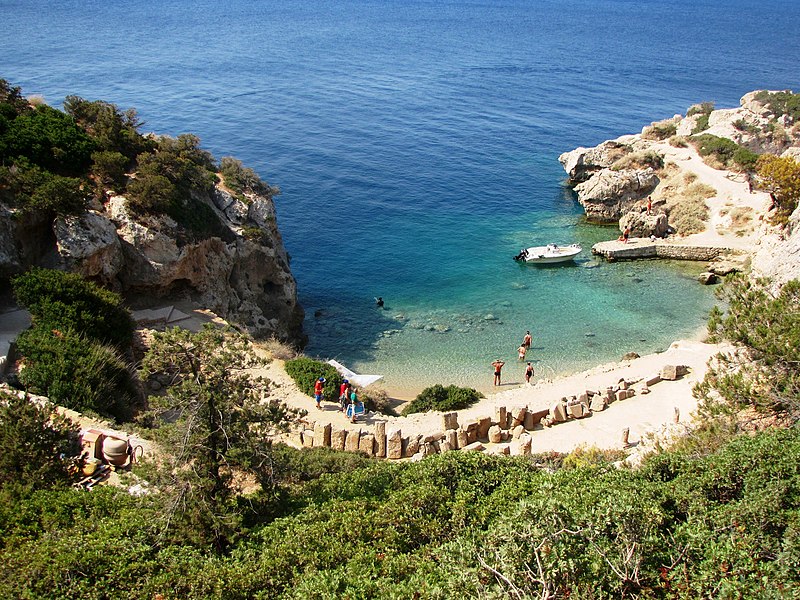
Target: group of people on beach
pixel 349 403
pixel 521 352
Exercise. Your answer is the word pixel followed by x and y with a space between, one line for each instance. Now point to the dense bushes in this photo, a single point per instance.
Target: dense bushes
pixel 438 397
pixel 241 179
pixel 67 355
pixel 75 371
pixel 453 525
pixel 765 374
pixel 35 444
pixel 305 372
pixel 727 152
pixel 781 177
pixel 59 300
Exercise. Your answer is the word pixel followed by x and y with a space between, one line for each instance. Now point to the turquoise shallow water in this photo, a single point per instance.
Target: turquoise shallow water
pixel 416 145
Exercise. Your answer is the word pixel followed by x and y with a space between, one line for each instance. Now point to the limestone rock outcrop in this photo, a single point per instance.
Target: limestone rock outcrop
pixel 609 194
pixel 581 163
pixel 643 225
pixel 241 272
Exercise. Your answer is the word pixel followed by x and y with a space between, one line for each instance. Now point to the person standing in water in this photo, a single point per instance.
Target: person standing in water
pixel 527 340
pixel 379 302
pixel 498 367
pixel 528 372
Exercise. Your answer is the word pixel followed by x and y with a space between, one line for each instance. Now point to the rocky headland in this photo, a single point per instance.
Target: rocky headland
pixel 241 272
pixel 698 174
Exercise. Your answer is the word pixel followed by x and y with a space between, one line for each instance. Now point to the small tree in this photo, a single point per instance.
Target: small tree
pixel 765 372
pixel 214 422
pixel 35 444
pixel 781 177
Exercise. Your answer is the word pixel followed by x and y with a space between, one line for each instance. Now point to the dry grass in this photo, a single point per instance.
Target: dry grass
pixel 678 141
pixel 278 349
pixel 741 220
pixel 685 199
pixel 639 160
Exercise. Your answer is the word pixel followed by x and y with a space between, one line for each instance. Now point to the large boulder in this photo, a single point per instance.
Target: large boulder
pixel 581 163
pixel 609 194
pixel 643 225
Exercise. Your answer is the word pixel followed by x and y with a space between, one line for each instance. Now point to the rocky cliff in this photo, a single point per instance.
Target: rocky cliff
pixel 617 176
pixel 241 273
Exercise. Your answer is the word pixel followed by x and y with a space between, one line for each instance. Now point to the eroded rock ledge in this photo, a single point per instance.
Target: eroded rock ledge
pixel 242 273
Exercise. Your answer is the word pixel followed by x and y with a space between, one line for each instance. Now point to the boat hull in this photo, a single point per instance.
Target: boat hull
pixel 550 254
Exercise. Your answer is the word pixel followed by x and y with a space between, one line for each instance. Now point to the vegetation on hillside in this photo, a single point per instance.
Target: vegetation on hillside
pixel 74 351
pixel 724 153
pixel 780 176
pixel 53 161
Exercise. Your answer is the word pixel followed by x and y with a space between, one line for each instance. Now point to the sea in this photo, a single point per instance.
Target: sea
pixel 415 144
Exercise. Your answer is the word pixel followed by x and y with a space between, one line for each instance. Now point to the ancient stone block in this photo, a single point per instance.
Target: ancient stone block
pixel 484 423
pixel 518 415
pixel 584 399
pixel 444 446
pixel 351 443
pixel 529 422
pixel 433 437
pixel 412 447
pixel 429 448
pixel 322 435
pixel 380 439
pixel 557 412
pixel 462 439
pixel 471 427
pixel 622 394
pixel 296 437
pixel 495 434
pixel 501 416
pixel 669 372
pixel 630 392
pixel 473 447
pixel 367 444
pixel 521 446
pixel 598 403
pixel 501 449
pixel 575 410
pixel 338 437
pixel 308 438
pixel 653 380
pixel 645 389
pixel 451 437
pixel 517 431
pixel 394 445
pixel 450 421
pixel 623 385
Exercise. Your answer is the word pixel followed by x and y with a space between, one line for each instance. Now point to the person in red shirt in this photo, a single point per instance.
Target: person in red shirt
pixel 344 394
pixel 318 386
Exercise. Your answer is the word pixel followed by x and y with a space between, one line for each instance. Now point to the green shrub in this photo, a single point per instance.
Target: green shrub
pixel 701 124
pixel 35 444
pixel 438 397
pixel 241 179
pixel 781 103
pixel 660 131
pixel 33 189
pixel 727 152
pixel 61 301
pixel 108 168
pixel 305 372
pixel 48 138
pixel 704 108
pixel 76 372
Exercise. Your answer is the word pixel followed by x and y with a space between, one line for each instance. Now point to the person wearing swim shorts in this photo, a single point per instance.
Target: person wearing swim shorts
pixel 498 367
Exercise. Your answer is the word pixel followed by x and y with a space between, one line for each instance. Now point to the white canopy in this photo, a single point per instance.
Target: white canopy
pixel 359 380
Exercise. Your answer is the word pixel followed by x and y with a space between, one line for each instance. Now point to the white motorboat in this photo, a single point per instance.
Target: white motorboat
pixel 552 253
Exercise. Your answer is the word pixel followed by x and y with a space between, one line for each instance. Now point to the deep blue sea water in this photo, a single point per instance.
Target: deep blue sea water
pixel 416 146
